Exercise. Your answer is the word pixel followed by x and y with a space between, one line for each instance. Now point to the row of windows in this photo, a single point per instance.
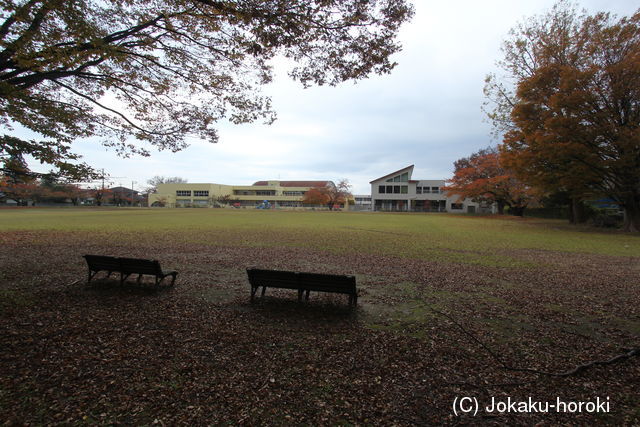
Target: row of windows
pixel 254 193
pixel 400 178
pixel 393 189
pixel 404 189
pixel 196 193
pixel 427 190
pixel 293 193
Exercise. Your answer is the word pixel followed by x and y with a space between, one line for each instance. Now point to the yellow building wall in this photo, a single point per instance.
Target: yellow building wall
pixel 167 194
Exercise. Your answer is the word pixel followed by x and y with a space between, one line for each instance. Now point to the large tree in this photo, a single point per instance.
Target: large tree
pixel 574 116
pixel 553 38
pixel 482 178
pixel 144 74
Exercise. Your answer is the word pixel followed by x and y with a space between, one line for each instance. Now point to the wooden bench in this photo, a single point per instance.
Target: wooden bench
pixel 127 267
pixel 302 282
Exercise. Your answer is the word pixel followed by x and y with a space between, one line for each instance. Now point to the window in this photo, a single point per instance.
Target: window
pixel 381 189
pixel 201 193
pixel 457 206
pixel 435 190
pixel 400 178
pixel 389 189
pixel 418 190
pixel 396 189
pixel 426 190
pixel 293 193
pixel 265 193
pixel 404 189
pixel 183 192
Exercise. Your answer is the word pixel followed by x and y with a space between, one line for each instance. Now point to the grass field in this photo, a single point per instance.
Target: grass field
pixel 446 303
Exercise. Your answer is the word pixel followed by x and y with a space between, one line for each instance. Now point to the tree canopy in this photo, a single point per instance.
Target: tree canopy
pixel 330 195
pixel 482 178
pixel 143 74
pixel 572 118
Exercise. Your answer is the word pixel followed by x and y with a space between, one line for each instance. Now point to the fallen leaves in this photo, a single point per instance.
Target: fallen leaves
pixel 200 353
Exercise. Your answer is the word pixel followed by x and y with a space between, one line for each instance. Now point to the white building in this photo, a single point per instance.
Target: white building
pixel 398 192
pixel 362 202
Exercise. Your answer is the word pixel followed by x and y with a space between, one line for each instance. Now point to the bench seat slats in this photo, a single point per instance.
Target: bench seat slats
pixel 303 282
pixel 140 266
pixel 102 263
pixel 328 282
pixel 273 278
pixel 127 267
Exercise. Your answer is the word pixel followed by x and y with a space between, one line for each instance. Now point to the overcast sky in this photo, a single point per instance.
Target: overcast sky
pixel 427 112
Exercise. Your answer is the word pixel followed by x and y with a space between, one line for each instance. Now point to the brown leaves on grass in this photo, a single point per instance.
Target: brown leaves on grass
pixel 200 353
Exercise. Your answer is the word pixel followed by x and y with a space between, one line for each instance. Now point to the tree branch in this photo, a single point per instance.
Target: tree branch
pixel 628 353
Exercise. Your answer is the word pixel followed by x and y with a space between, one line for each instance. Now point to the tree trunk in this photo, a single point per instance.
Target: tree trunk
pixel 517 210
pixel 500 207
pixel 577 211
pixel 632 216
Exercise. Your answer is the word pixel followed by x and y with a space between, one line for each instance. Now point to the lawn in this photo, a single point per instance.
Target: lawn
pixel 446 303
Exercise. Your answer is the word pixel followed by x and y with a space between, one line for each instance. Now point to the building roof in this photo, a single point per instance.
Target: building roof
pixel 393 173
pixel 296 183
pixel 123 190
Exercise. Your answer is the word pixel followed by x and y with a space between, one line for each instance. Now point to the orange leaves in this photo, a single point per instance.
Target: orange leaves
pixel 316 196
pixel 330 195
pixel 481 177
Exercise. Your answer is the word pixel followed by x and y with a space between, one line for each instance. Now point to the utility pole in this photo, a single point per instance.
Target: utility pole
pixel 132 182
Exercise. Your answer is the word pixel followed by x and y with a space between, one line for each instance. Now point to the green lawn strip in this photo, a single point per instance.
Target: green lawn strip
pixel 411 233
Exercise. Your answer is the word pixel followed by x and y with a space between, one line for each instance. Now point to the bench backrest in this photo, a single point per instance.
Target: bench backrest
pixel 102 262
pixel 140 266
pixel 275 278
pixel 327 282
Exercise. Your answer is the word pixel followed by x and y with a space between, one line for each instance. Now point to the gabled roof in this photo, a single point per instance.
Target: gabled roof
pixel 296 183
pixel 394 173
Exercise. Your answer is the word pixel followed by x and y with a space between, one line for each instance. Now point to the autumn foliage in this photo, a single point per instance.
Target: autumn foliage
pixel 330 195
pixel 173 69
pixel 573 122
pixel 481 177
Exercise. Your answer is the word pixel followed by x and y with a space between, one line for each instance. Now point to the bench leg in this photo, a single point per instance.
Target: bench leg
pixel 91 276
pixel 307 296
pixel 300 292
pixel 173 280
pixel 140 278
pixel 264 289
